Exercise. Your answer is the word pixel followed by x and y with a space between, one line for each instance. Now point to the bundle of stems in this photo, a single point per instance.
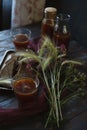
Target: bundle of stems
pixel 58 74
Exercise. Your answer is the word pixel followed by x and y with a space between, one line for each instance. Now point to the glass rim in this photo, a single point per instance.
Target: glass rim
pixel 20 30
pixel 36 82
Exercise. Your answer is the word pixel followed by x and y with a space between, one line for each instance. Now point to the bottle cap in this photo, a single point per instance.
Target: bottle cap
pixel 51 10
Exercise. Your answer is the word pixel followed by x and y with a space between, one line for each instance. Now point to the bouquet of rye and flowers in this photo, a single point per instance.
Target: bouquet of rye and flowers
pixel 60 75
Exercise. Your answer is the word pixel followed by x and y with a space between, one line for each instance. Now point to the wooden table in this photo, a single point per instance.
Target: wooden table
pixel 76 111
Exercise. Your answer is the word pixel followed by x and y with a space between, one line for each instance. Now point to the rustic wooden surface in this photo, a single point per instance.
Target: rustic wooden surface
pixel 76 111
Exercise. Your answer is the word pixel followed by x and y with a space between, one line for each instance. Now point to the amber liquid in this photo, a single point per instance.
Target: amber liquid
pixel 47 30
pixel 25 89
pixel 60 39
pixel 21 41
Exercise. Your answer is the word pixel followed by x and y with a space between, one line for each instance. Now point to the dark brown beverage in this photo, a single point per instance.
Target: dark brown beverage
pixel 25 89
pixel 47 29
pixel 62 33
pixel 48 22
pixel 21 41
pixel 61 39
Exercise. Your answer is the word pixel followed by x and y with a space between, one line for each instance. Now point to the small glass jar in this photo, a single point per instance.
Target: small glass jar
pixel 62 34
pixel 48 21
pixel 25 89
pixel 21 38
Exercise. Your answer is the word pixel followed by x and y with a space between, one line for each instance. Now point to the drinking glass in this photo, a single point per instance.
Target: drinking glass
pixel 21 38
pixel 25 89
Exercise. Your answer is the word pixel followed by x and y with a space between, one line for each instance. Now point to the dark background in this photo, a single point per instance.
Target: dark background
pixel 76 8
pixel 78 11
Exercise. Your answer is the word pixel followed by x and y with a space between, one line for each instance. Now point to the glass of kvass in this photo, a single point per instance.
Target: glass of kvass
pixel 25 89
pixel 21 38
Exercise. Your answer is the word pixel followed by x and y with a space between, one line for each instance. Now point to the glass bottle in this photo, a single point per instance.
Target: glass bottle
pixel 61 34
pixel 48 21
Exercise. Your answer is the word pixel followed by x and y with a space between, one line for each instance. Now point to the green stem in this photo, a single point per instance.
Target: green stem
pixel 55 106
pixel 48 117
pixel 70 97
pixel 60 111
pixel 46 81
